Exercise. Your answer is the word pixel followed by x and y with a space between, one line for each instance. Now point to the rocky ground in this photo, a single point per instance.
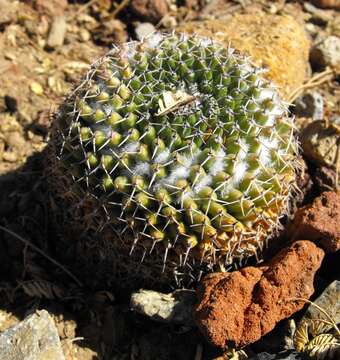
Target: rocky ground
pixel 45 48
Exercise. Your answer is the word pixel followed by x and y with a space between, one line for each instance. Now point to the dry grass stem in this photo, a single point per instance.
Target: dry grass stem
pixel 28 243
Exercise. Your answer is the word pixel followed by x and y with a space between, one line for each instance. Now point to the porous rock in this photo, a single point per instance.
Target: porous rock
pixel 175 307
pixel 238 308
pixel 278 43
pixel 328 301
pixel 34 338
pixel 320 221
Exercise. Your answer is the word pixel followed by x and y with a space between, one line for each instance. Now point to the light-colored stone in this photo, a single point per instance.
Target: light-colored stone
pixel 329 301
pixel 175 307
pixel 57 32
pixel 320 143
pixel 326 53
pixel 310 104
pixel 276 42
pixel 35 338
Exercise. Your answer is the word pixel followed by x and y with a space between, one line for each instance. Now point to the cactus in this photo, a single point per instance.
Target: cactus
pixel 183 149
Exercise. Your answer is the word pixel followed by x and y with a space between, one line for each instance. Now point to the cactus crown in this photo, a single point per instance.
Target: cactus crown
pixel 184 145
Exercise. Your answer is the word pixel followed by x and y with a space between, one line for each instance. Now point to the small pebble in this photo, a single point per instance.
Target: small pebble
pixel 175 307
pixel 10 157
pixel 326 53
pixel 311 105
pixel 57 32
pixel 15 140
pixel 37 88
pixel 84 35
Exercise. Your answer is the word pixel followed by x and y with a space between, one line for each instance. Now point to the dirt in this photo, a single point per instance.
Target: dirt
pixel 35 77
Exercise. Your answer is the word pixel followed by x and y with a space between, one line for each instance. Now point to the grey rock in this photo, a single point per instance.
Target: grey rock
pixel 57 32
pixel 175 307
pixel 144 29
pixel 319 143
pixel 310 104
pixel 34 338
pixel 329 301
pixel 326 52
pixel 279 339
pixel 285 355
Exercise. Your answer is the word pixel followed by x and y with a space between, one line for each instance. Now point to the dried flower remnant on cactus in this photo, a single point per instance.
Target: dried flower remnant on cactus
pixel 183 146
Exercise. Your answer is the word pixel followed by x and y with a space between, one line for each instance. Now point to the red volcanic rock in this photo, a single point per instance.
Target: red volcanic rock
pixel 320 221
pixel 238 308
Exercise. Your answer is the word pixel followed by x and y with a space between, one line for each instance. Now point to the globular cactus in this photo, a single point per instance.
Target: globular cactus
pixel 183 149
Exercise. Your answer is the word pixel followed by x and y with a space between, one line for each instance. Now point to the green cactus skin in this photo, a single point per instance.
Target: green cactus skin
pixel 185 148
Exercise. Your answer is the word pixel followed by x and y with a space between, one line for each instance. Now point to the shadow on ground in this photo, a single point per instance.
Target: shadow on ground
pixel 34 275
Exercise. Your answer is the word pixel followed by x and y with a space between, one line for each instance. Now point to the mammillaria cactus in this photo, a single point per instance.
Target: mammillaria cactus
pixel 180 150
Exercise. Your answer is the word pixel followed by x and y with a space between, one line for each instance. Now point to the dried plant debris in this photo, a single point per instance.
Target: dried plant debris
pixel 318 346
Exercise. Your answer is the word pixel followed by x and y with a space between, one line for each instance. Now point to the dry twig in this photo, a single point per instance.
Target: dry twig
pixel 316 80
pixel 120 7
pixel 34 247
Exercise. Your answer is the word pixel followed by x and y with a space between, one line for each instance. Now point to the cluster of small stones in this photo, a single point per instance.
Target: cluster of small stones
pixel 183 145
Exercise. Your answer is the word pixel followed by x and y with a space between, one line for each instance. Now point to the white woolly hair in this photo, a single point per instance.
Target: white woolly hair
pixel 179 172
pixel 130 147
pixel 265 149
pixel 239 172
pixel 142 168
pixel 154 39
pixel 162 157
pixel 218 164
pixel 205 181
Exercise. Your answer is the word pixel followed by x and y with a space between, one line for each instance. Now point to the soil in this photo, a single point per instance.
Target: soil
pixel 34 78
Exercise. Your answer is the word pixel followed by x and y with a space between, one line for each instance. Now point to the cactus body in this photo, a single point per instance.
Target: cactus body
pixel 182 147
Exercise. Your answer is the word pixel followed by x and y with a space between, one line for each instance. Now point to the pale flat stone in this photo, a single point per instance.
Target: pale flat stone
pixel 175 307
pixel 329 301
pixel 34 338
